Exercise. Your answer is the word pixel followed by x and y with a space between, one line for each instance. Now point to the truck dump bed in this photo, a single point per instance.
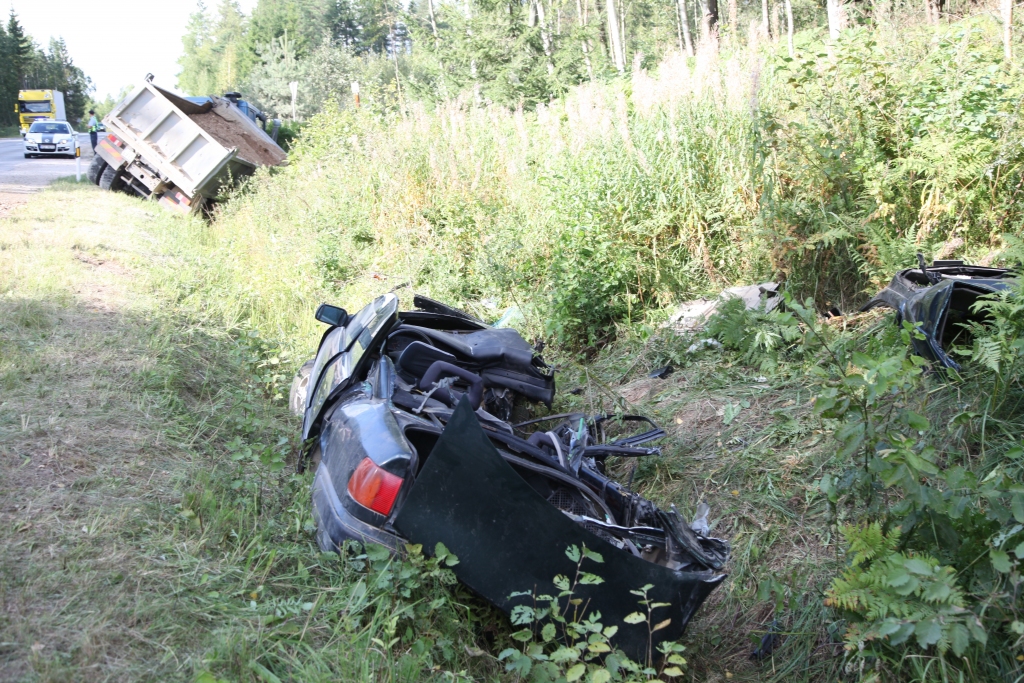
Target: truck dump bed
pixel 232 128
pixel 176 147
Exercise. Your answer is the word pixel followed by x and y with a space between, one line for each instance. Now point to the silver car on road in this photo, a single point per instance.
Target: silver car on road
pixel 51 138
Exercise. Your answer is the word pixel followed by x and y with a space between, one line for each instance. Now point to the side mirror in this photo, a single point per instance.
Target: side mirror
pixel 331 315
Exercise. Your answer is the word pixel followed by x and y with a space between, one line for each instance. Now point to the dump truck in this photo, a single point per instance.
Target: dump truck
pixel 182 152
pixel 39 104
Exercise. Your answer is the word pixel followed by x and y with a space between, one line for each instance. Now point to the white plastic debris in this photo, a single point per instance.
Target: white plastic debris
pixel 700 521
pixel 693 315
pixel 704 344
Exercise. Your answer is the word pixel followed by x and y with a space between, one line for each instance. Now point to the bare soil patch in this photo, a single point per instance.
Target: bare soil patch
pixel 10 200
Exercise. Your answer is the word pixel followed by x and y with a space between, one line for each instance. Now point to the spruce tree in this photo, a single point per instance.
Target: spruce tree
pixel 21 49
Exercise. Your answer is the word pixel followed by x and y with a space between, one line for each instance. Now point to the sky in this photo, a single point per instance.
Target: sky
pixel 115 42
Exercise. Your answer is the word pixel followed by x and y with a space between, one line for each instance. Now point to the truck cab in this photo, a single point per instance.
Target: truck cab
pixel 33 105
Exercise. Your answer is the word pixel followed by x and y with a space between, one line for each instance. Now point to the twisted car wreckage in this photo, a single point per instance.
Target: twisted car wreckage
pixel 408 422
pixel 939 300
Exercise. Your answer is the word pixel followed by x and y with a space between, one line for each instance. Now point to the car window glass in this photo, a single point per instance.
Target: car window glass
pixel 50 128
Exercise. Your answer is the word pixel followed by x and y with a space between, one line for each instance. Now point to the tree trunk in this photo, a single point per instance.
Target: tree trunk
pixel 684 21
pixel 615 38
pixel 765 30
pixel 733 18
pixel 776 29
pixel 433 23
pixel 1006 9
pixel 708 18
pixel 622 35
pixel 545 35
pixel 468 9
pixel 789 27
pixel 679 29
pixel 581 15
pixel 834 18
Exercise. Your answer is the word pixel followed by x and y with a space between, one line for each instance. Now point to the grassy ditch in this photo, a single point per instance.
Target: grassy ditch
pixel 153 529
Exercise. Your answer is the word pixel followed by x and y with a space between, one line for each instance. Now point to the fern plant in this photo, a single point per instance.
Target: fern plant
pixel 891 596
pixel 999 339
pixel 759 336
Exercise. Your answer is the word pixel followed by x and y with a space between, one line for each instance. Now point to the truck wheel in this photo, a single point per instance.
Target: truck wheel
pixel 96 169
pixel 111 180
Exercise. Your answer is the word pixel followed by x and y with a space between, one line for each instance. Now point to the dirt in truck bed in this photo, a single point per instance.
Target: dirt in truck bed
pixel 227 133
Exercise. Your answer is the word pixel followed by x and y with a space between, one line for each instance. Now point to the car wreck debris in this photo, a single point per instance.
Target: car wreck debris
pixel 408 418
pixel 690 316
pixel 939 300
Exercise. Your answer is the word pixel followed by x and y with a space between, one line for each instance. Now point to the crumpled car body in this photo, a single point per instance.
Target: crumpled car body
pixel 408 421
pixel 939 301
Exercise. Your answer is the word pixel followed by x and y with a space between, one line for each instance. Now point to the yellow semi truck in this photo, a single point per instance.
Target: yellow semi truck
pixel 39 104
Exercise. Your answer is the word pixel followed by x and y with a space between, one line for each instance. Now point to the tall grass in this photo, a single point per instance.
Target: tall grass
pixel 616 200
pixel 608 205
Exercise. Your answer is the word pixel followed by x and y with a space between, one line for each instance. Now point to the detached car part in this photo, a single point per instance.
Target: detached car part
pixel 938 300
pixel 408 420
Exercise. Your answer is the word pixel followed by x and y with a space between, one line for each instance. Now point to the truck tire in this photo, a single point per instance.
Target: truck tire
pixel 111 180
pixel 96 169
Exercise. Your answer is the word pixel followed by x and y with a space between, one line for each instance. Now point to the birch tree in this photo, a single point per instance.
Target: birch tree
pixel 537 10
pixel 582 12
pixel 684 25
pixel 789 27
pixel 835 18
pixel 615 41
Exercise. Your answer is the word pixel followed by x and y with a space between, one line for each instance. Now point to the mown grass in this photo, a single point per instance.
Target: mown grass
pixel 143 540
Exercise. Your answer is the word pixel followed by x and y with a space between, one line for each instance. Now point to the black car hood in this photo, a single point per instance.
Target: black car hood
pixel 509 539
pixel 939 306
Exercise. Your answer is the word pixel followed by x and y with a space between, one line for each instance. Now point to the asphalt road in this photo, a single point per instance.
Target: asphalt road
pixel 20 175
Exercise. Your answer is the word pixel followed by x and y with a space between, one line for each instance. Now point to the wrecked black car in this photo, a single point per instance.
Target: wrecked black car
pixel 939 301
pixel 408 420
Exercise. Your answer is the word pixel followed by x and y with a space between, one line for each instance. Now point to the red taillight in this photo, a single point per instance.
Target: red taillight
pixel 373 488
pixel 114 139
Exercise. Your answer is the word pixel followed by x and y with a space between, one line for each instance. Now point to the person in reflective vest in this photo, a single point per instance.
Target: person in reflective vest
pixel 94 127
